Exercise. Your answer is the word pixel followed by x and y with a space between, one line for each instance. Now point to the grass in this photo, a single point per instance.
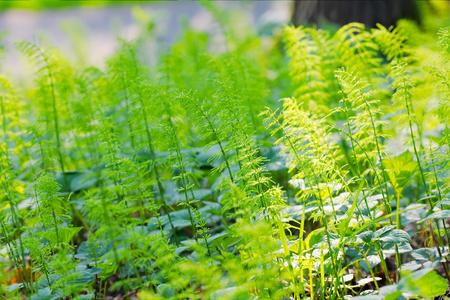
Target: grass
pixel 188 180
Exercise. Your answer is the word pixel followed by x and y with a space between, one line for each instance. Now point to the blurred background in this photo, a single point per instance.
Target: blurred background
pixel 89 30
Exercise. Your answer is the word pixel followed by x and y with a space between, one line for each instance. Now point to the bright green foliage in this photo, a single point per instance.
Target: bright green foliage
pixel 172 181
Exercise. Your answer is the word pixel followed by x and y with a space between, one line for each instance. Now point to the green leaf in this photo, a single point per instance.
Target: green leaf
pixel 315 237
pixel 43 294
pixel 368 297
pixel 217 236
pixel 419 212
pixel 424 254
pixel 65 235
pixel 374 260
pixel 431 285
pixel 439 215
pixel 86 251
pixel 368 224
pixel 42 284
pixel 83 182
pixel 166 291
pixel 65 179
pixel 400 169
pixel 367 280
pixel 13 287
pixel 444 201
pixel 82 278
pixel 389 248
pixel 391 292
pixel 396 236
pixel 383 230
pixel 412 266
pixel 366 236
pixel 393 296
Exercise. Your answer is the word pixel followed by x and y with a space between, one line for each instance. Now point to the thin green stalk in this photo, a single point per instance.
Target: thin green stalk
pixel 219 142
pixel 287 253
pixel 154 167
pixel 355 156
pixel 183 177
pixel 55 116
pixel 185 186
pixel 130 128
pixel 320 197
pixel 368 266
pixel 439 238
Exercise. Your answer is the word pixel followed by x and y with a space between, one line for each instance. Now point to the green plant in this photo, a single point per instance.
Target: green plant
pixel 160 181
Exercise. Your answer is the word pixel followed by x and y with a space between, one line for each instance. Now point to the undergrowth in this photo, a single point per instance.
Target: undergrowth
pixel 186 180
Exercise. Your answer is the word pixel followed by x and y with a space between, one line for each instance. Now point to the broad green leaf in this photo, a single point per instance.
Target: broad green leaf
pixel 439 215
pixel 412 266
pixel 367 225
pixel 374 260
pixel 202 193
pixel 368 297
pixel 424 254
pixel 366 236
pixel 13 287
pixel 390 292
pixel 444 201
pixel 83 181
pixel 418 213
pixel 83 278
pixel 42 284
pixel 383 230
pixel 395 236
pixel 400 169
pixel 181 249
pixel 43 294
pixel 367 280
pixel 217 236
pixel 432 285
pixel 87 251
pixel 389 248
pixel 65 179
pixel 393 296
pixel 315 237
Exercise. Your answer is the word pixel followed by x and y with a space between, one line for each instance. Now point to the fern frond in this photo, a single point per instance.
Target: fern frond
pixel 444 40
pixel 307 66
pixel 391 42
pixel 356 49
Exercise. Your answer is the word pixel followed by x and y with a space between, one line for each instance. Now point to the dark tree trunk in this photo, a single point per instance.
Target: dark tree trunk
pixel 369 12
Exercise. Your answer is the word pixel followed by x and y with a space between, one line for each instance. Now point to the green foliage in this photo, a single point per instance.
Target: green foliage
pixel 172 181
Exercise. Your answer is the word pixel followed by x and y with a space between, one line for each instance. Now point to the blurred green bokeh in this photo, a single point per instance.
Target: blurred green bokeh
pixel 41 4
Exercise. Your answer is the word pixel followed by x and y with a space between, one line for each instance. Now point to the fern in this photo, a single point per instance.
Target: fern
pixel 362 128
pixel 152 176
pixel 208 127
pixel 392 42
pixel 43 60
pixel 183 177
pixel 357 49
pixel 307 67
